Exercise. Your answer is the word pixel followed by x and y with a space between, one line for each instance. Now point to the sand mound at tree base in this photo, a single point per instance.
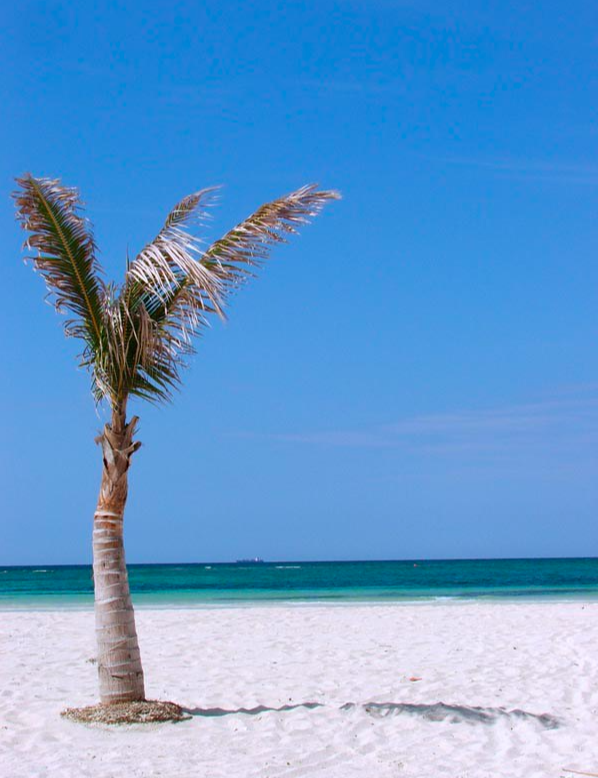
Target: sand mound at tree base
pixel 147 712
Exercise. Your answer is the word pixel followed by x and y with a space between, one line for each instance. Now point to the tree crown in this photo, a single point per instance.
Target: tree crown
pixel 138 335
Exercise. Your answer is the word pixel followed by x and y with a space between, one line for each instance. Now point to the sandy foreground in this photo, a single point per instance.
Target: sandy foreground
pixel 506 689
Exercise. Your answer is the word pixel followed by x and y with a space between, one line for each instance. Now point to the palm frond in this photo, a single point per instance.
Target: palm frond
pixel 248 244
pixel 65 254
pixel 173 256
pixel 178 284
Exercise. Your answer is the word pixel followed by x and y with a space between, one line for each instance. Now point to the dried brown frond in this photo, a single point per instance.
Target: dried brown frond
pixel 248 244
pixel 179 284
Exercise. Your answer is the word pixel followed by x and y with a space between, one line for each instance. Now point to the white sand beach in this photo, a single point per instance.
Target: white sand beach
pixel 504 689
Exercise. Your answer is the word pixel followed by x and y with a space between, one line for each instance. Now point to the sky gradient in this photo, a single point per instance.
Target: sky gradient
pixel 417 374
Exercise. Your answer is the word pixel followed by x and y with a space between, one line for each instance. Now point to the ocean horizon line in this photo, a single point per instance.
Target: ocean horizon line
pixel 261 561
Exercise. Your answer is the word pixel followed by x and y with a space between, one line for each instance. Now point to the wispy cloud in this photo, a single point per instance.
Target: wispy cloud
pixel 566 423
pixel 529 169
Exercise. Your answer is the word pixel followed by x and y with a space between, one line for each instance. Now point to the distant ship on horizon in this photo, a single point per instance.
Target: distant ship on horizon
pixel 256 560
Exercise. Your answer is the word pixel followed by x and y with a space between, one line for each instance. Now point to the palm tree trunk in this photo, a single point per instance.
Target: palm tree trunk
pixel 118 657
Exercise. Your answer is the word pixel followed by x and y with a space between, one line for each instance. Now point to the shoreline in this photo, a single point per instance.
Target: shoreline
pixel 54 606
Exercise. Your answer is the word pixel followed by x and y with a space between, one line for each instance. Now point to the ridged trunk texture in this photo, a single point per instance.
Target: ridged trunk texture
pixel 118 657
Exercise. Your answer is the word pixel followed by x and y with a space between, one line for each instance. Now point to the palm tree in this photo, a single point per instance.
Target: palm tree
pixel 136 338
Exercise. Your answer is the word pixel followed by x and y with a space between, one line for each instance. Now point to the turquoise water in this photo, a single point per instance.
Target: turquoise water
pixel 200 585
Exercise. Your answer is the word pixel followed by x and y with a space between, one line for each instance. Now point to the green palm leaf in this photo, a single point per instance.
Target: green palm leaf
pixel 65 255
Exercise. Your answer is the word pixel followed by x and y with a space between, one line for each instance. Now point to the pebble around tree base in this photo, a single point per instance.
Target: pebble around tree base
pixel 147 712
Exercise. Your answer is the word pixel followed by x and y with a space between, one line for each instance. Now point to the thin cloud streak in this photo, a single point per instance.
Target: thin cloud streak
pixel 533 170
pixel 565 424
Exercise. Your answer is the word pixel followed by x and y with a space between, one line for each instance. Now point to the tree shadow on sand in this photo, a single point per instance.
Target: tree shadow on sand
pixel 215 712
pixel 440 711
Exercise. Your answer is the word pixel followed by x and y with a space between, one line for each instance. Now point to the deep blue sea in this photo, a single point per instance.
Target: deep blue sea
pixel 201 585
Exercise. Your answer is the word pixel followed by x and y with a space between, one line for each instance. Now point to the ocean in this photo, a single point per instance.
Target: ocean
pixel 217 584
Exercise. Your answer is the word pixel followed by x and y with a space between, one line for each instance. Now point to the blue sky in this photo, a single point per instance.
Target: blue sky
pixel 417 374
